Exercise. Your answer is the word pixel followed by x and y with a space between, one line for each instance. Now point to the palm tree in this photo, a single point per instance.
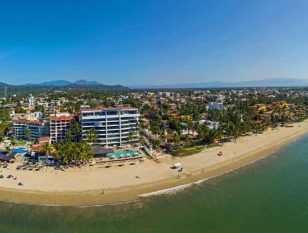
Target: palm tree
pixel 142 140
pixel 69 136
pixel 85 152
pixel 48 148
pixel 73 152
pixel 212 136
pixel 13 141
pixel 130 136
pixel 64 152
pixel 207 135
pixel 91 136
pixel 176 138
pixel 75 130
pixel 186 140
pixel 156 142
pixel 59 150
pixel 27 133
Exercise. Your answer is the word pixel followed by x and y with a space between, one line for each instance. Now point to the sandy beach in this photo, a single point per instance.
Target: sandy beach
pixel 98 185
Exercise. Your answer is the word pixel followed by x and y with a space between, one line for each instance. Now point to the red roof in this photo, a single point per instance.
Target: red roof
pixel 63 117
pixel 25 121
pixel 44 139
pixel 37 147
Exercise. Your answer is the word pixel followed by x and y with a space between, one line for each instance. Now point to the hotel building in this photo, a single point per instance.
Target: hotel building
pixel 59 124
pixel 36 128
pixel 113 126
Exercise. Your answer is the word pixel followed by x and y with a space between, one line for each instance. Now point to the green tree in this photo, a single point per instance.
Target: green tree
pixel 75 129
pixel 27 133
pixel 48 148
pixel 73 152
pixel 91 136
pixel 13 141
pixel 3 130
pixel 69 135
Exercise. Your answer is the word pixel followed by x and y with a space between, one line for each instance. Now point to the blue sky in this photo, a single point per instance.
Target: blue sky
pixel 152 42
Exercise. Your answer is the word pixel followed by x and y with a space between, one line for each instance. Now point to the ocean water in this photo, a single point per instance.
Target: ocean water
pixel 270 195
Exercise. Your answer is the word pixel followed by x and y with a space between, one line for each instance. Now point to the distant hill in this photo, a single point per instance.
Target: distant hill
pixel 85 82
pixel 55 83
pixel 254 83
pixel 85 85
pixel 60 83
pixel 4 84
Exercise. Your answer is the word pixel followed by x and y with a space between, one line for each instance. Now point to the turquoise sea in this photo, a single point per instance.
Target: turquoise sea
pixel 270 195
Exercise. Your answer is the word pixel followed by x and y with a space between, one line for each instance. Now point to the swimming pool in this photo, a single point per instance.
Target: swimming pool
pixel 19 150
pixel 121 154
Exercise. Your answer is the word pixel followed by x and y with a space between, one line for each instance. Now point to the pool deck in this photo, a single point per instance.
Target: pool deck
pixel 119 154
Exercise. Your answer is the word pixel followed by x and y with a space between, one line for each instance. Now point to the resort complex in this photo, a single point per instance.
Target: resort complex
pixel 113 126
pixel 110 126
pixel 93 140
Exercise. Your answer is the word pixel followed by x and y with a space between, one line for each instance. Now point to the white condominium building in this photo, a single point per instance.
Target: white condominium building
pixel 113 126
pixel 31 100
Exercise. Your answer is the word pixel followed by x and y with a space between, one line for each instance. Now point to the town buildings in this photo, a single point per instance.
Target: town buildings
pixel 172 114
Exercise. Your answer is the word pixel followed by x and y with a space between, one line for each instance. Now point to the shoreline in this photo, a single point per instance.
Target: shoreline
pixel 171 184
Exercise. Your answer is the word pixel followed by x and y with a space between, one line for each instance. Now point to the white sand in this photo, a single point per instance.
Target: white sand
pixel 121 183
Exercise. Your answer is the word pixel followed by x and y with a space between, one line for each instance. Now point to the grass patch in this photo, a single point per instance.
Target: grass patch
pixel 212 145
pixel 188 150
pixel 185 151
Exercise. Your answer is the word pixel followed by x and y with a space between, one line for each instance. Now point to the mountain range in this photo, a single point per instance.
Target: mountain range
pixel 60 83
pixel 83 84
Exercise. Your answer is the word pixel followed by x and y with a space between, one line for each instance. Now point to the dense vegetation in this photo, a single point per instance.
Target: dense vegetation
pixel 69 152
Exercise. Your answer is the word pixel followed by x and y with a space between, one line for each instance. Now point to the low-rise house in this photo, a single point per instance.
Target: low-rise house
pixel 216 106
